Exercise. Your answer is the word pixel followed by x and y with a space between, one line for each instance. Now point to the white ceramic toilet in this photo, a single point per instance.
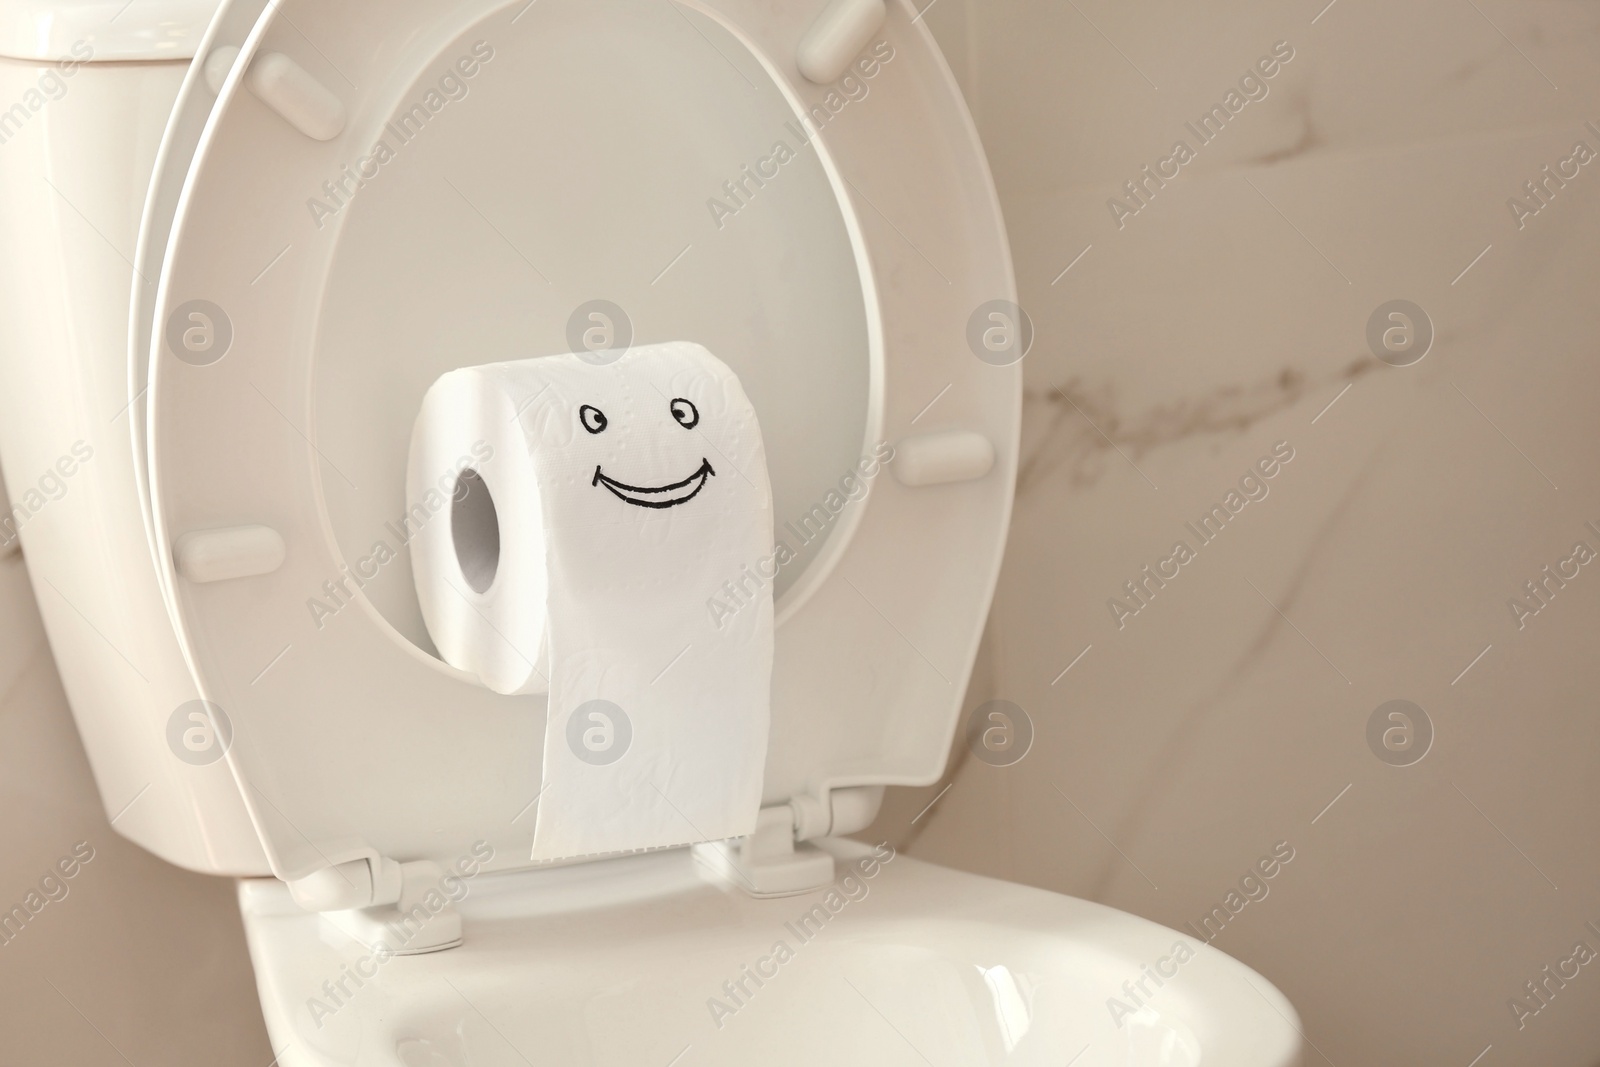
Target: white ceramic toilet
pixel 230 281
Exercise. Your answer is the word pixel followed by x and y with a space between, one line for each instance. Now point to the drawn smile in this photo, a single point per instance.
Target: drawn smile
pixel 661 496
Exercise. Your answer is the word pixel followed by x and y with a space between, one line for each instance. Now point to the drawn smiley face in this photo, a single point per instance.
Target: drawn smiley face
pixel 659 496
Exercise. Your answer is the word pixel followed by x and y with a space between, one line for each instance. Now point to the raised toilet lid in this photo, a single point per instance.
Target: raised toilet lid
pixel 536 158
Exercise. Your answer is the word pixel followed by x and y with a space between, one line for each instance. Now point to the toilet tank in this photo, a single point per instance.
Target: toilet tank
pixel 84 99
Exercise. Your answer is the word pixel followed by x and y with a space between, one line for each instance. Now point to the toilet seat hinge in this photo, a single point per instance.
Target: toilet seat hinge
pixel 777 859
pixel 398 908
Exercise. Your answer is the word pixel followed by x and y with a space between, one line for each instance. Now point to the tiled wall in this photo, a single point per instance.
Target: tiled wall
pixel 1223 317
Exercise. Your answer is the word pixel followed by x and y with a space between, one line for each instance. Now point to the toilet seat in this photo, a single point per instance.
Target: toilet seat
pixel 625 962
pixel 351 740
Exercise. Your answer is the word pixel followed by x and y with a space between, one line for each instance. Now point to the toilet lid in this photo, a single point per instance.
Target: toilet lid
pixel 385 191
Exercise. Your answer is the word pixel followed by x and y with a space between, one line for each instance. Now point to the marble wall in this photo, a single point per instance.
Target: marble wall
pixel 1221 316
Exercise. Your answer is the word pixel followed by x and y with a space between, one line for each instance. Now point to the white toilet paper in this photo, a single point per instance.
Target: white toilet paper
pixel 622 496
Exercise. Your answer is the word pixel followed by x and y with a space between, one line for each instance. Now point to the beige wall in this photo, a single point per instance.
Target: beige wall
pixel 1228 713
pixel 139 961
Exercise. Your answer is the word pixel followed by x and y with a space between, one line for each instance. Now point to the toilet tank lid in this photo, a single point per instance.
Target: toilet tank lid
pixel 103 30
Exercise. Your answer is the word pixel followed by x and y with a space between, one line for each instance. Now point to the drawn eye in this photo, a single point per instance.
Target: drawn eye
pixel 593 419
pixel 687 414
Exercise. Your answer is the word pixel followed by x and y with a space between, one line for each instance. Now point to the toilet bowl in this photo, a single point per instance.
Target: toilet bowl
pixel 350 200
pixel 643 959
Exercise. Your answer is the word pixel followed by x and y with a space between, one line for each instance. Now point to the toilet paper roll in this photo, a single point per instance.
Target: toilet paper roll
pixel 606 506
